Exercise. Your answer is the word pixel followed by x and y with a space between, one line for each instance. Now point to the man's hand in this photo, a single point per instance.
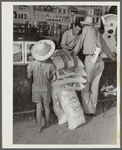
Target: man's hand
pixel 74 52
pixel 111 56
pixel 54 78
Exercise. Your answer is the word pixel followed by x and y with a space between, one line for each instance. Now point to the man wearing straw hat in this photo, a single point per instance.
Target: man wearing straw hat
pixel 42 69
pixel 93 44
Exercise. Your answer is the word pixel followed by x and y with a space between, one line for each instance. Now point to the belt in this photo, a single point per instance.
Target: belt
pixel 90 54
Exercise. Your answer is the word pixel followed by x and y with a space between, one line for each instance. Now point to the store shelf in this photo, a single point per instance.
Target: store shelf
pixel 35 15
pixel 43 12
pixel 58 14
pixel 26 20
pixel 56 22
pixel 50 37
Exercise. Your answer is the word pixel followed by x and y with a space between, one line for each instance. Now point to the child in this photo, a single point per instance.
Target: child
pixel 42 69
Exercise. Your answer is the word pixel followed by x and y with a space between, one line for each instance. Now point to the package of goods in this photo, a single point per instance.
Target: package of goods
pixel 61 73
pixel 72 108
pixel 58 108
pixel 109 90
pixel 95 56
pixel 70 71
pixel 66 61
pixel 69 79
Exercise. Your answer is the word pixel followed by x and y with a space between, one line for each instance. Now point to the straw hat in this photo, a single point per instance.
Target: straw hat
pixel 88 20
pixel 43 49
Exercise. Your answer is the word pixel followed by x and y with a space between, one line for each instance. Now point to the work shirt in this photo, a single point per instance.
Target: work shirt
pixel 42 75
pixel 69 39
pixel 89 40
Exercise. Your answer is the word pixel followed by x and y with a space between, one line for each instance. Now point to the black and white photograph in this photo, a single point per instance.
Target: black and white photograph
pixel 62 88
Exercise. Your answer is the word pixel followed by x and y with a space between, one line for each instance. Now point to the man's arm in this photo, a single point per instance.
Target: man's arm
pixel 64 43
pixel 80 43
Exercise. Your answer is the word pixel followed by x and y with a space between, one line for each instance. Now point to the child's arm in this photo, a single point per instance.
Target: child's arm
pixel 29 70
pixel 29 74
pixel 54 77
pixel 53 72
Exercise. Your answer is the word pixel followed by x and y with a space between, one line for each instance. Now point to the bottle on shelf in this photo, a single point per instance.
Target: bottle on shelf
pixel 55 29
pixel 15 15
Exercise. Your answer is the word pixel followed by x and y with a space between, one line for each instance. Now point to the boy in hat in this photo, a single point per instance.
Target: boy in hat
pixel 91 40
pixel 42 69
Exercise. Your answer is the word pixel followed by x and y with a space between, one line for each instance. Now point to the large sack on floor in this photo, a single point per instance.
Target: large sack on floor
pixel 72 108
pixel 58 109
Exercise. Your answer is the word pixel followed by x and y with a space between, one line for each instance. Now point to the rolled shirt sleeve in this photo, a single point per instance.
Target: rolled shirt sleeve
pixel 80 42
pixel 64 39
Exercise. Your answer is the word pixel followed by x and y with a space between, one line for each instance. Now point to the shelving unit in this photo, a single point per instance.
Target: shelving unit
pixel 44 15
pixel 51 21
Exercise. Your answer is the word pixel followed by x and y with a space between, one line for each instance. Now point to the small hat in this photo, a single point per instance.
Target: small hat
pixel 88 20
pixel 43 49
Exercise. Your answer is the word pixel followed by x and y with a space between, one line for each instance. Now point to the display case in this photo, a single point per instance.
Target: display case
pixel 18 52
pixel 28 56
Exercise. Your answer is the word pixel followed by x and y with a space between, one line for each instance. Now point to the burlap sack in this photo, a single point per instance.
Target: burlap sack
pixel 61 73
pixel 63 61
pixel 70 79
pixel 58 108
pixel 72 108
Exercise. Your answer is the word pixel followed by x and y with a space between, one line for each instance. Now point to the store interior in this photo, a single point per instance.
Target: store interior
pixel 32 23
